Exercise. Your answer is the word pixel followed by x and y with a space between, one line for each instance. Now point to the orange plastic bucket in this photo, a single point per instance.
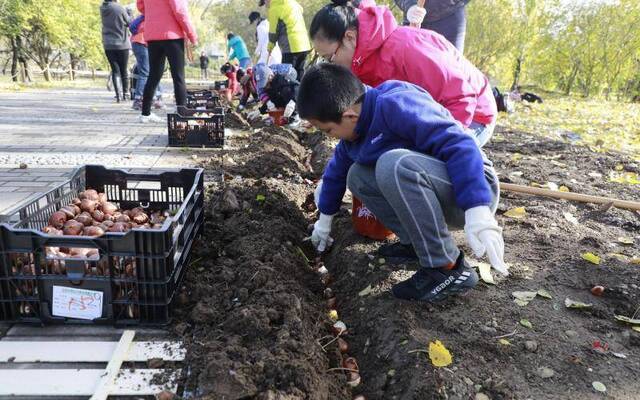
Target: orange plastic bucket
pixel 366 224
pixel 278 116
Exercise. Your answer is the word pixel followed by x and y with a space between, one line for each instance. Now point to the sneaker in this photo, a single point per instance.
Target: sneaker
pixel 397 253
pixel 151 118
pixel 137 105
pixel 433 285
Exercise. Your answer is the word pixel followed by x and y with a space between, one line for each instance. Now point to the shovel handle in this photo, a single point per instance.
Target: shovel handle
pixel 584 198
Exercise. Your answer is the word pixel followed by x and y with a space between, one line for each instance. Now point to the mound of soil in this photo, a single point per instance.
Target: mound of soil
pixel 252 311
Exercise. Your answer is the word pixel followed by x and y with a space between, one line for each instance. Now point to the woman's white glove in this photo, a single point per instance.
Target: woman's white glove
pixel 484 235
pixel 416 14
pixel 289 109
pixel 321 230
pixel 316 194
pixel 270 106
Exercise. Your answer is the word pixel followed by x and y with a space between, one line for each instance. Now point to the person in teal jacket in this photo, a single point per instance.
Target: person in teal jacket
pixel 238 50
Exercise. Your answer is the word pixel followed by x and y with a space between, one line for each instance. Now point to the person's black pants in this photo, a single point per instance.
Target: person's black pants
pixel 118 60
pixel 159 51
pixel 297 60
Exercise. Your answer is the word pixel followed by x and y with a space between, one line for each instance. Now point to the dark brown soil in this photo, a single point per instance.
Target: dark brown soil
pixel 254 309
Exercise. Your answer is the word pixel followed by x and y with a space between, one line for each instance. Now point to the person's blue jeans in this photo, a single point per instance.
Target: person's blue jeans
pixel 481 133
pixel 142 61
pixel 412 195
pixel 245 62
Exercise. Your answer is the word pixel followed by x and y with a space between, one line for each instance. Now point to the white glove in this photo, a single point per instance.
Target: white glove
pixel 270 106
pixel 316 194
pixel 289 109
pixel 253 115
pixel 416 14
pixel 321 230
pixel 484 235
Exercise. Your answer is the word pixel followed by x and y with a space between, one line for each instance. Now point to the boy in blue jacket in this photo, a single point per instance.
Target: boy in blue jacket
pixel 414 167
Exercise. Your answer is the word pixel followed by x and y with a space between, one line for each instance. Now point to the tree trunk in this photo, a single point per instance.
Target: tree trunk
pixel 572 79
pixel 74 66
pixel 516 73
pixel 14 60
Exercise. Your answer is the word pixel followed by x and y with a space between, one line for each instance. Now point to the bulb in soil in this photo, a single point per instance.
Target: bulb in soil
pixel 359 397
pixel 328 293
pixel 331 303
pixel 354 379
pixel 323 270
pixel 339 328
pixel 343 346
pixel 597 290
pixel 333 315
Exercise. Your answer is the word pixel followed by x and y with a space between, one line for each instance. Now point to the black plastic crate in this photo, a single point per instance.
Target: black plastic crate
pixel 219 85
pixel 202 99
pixel 136 275
pixel 196 128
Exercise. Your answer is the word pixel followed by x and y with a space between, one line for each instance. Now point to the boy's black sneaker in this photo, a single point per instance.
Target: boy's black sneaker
pixel 397 253
pixel 436 284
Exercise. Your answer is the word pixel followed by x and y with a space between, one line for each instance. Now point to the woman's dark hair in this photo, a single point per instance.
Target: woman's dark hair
pixel 230 35
pixel 333 20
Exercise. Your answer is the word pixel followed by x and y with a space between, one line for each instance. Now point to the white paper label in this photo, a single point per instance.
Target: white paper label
pixel 76 303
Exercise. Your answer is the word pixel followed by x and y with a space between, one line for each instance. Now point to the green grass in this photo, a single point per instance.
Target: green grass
pixel 602 125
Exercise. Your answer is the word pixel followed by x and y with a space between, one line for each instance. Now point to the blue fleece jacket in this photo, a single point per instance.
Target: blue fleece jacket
pixel 400 115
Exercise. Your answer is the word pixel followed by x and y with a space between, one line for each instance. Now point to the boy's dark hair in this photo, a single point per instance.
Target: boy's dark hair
pixel 240 73
pixel 333 20
pixel 230 35
pixel 326 91
pixel 226 67
pixel 253 16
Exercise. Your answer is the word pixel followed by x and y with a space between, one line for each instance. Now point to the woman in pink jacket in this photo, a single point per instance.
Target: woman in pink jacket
pixel 167 25
pixel 368 40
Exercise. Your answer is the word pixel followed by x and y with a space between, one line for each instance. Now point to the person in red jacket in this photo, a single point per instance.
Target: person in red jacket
pixel 369 41
pixel 167 25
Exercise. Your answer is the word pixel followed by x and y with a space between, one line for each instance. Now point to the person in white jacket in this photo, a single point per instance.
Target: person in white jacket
pixel 262 35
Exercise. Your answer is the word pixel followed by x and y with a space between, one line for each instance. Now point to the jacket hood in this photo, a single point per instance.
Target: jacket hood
pixel 375 25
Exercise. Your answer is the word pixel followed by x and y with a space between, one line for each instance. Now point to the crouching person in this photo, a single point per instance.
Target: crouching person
pixel 414 167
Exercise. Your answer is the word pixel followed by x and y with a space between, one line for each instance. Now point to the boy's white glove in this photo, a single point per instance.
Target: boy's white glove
pixel 316 194
pixel 289 109
pixel 270 106
pixel 321 230
pixel 484 235
pixel 416 14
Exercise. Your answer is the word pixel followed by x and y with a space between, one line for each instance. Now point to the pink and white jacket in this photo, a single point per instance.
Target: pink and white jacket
pixel 385 51
pixel 166 20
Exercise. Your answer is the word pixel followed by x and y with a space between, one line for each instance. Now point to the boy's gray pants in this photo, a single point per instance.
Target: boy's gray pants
pixel 412 195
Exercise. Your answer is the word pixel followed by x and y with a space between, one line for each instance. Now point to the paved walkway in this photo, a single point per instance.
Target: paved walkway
pixel 53 131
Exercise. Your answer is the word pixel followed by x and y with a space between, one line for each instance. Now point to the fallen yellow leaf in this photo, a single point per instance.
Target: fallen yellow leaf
pixel 517 213
pixel 635 260
pixel 485 273
pixel 563 188
pixel 439 355
pixel 504 342
pixel 592 258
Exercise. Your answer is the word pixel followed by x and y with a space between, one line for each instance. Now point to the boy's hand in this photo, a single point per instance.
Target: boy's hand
pixel 484 235
pixel 321 230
